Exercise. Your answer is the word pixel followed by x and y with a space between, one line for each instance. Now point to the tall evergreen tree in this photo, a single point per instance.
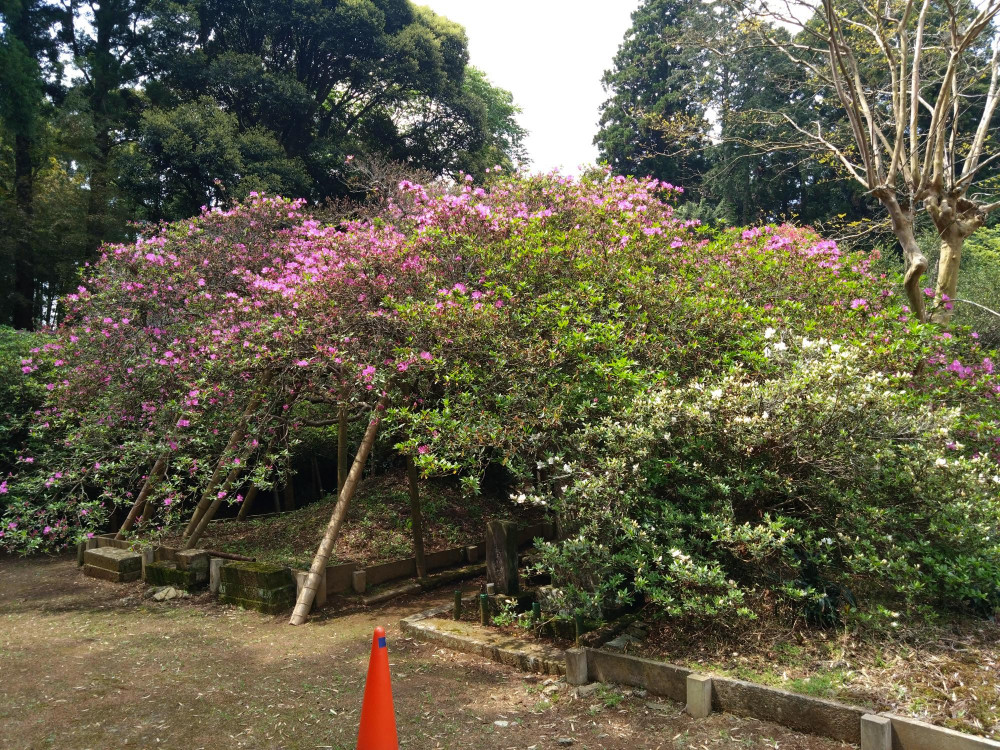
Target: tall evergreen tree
pixel 654 121
pixel 27 48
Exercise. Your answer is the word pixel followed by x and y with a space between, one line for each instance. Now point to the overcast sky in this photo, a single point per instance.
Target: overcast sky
pixel 551 55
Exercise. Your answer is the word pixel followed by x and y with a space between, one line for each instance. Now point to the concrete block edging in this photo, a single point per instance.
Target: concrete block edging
pixel 415 626
pixel 704 693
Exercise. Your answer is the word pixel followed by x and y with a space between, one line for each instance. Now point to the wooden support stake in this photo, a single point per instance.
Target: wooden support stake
pixel 308 592
pixel 317 478
pixel 288 501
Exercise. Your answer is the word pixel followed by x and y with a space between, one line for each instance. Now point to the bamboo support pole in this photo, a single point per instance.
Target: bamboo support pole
pixel 238 434
pixel 247 503
pixel 308 593
pixel 207 496
pixel 158 469
pixel 210 512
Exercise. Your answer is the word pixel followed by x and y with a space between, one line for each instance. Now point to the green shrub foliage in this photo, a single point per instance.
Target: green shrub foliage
pixel 826 482
pixel 715 418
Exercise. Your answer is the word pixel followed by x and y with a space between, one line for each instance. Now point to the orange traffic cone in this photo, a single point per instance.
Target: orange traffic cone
pixel 378 719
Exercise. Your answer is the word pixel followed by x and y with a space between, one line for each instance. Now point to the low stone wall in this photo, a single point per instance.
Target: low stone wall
pixel 912 734
pixel 340 577
pixel 658 678
pixel 390 571
pixel 700 693
pixel 108 540
pixel 168 568
pixel 260 586
pixel 798 712
pixel 188 570
pixel 475 639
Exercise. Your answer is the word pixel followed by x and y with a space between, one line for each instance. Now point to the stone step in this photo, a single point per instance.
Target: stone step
pixel 112 564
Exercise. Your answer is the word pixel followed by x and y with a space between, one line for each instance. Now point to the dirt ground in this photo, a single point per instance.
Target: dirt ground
pixel 89 664
pixel 377 528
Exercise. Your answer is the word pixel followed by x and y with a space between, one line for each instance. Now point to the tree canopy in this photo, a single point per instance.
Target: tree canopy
pixel 124 112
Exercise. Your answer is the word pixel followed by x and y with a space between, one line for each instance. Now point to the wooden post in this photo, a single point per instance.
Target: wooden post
pixel 148 553
pixel 158 468
pixel 247 503
pixel 457 612
pixel 308 592
pixel 501 556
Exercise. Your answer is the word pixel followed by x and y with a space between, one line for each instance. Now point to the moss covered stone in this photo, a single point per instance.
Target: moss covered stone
pixel 165 573
pixel 260 586
pixel 112 564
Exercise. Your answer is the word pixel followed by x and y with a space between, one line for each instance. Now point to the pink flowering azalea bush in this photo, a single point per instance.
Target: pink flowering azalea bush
pixel 574 332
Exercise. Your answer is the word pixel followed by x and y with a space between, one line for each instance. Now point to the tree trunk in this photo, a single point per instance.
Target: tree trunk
pixel 947 279
pixel 342 467
pixel 308 592
pixel 916 263
pixel 289 495
pixel 416 517
pixel 24 272
pixel 252 494
pixel 147 511
pixel 210 513
pixel 158 469
pixel 103 82
pixel 317 478
pixel 247 503
pixel 213 483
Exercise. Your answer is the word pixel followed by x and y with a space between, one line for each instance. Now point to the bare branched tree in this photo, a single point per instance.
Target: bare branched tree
pixel 918 82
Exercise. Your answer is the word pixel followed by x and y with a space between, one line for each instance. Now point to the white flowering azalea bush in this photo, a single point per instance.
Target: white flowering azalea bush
pixel 830 483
